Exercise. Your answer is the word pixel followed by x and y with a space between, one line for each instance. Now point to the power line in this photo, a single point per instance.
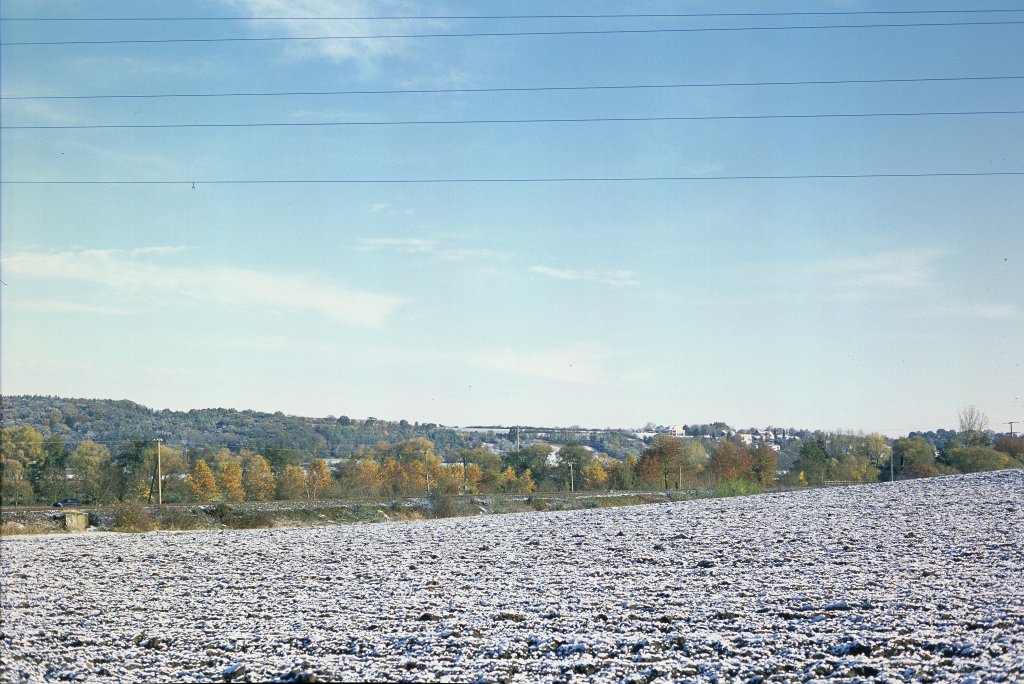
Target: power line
pixel 513 89
pixel 579 179
pixel 460 122
pixel 663 15
pixel 503 34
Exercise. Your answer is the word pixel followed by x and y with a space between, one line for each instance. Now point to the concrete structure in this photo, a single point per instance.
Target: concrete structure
pixel 76 521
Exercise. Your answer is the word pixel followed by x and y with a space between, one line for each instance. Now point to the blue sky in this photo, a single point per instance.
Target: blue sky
pixel 872 303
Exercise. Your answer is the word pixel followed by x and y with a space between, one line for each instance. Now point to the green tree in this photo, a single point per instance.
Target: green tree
pixel 534 458
pixel 85 468
pixel 279 458
pixel 622 474
pixel 765 462
pixel 202 483
pixel 913 457
pixel 857 468
pixel 572 459
pixel 975 459
pixel 15 489
pixel 814 459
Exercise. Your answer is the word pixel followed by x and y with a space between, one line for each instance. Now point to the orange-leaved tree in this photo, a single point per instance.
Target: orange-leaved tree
pixel 201 482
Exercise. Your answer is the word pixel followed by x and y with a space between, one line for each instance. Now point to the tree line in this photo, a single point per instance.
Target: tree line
pixel 34 469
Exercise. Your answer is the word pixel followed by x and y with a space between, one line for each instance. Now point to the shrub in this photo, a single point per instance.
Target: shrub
pixel 442 504
pixel 737 488
pixel 132 516
pixel 181 519
pixel 251 520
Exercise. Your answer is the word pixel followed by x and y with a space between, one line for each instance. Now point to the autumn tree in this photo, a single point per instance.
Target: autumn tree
pixel 317 478
pixel 594 476
pixel 290 483
pixel 671 461
pixel 362 477
pixel 229 479
pixel 1012 446
pixel 202 483
pixel 258 479
pixel 730 461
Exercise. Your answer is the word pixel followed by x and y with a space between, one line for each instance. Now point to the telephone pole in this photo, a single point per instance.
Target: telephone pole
pixel 159 475
pixel 1011 423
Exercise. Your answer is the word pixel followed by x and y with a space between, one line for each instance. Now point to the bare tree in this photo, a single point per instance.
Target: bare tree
pixel 972 420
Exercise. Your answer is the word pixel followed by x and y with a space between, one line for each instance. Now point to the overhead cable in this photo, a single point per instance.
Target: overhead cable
pixel 456 17
pixel 512 89
pixel 578 179
pixel 461 122
pixel 500 34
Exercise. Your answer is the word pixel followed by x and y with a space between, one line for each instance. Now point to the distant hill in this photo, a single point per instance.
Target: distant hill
pixel 113 422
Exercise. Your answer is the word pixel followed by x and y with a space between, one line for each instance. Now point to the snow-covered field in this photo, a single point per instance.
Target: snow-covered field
pixel 919 580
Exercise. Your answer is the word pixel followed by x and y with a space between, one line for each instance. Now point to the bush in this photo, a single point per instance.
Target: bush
pixel 251 520
pixel 132 516
pixel 220 511
pixel 182 519
pixel 737 488
pixel 442 504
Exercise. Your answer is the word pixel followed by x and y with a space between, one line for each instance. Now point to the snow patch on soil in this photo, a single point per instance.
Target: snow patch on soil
pixel 920 580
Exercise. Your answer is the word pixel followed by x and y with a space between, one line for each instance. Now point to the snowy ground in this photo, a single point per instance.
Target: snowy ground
pixel 920 580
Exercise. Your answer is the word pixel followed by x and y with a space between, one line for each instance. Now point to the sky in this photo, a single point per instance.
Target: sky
pixel 508 229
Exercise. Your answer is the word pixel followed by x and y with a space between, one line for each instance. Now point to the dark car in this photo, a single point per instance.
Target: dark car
pixel 66 502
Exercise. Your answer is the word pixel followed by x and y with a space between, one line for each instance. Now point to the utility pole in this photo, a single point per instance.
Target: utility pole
pixel 426 473
pixel 159 475
pixel 465 477
pixel 572 485
pixel 1011 423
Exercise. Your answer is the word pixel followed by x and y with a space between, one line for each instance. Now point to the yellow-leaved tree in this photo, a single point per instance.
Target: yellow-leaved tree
pixel 201 482
pixel 291 483
pixel 317 478
pixel 259 480
pixel 229 478
pixel 594 475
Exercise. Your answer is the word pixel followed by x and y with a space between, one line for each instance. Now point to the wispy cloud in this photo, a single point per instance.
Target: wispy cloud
pixel 990 311
pixel 580 364
pixel 363 51
pixel 901 270
pixel 49 305
pixel 616 278
pixel 137 270
pixel 426 246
